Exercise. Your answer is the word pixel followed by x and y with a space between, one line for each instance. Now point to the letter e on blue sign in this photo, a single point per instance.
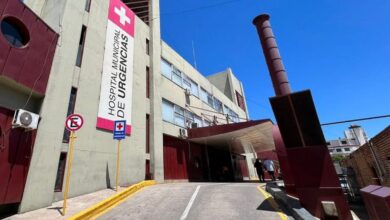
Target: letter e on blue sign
pixel 119 130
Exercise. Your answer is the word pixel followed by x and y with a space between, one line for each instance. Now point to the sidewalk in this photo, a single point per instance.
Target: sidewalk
pixel 74 206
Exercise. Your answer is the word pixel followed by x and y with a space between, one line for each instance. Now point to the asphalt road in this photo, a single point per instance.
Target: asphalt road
pixel 196 201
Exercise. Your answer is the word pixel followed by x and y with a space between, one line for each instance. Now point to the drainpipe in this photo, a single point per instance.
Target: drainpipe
pixel 272 55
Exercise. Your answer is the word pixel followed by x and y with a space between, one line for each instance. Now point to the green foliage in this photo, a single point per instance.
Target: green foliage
pixel 337 158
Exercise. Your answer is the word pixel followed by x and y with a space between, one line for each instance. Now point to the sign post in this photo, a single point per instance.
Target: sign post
pixel 73 123
pixel 119 134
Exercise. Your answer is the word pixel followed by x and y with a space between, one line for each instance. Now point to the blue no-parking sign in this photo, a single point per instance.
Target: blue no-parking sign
pixel 120 130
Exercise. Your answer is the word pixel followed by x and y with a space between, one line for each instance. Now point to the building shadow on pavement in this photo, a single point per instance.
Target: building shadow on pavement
pixel 56 208
pixel 265 206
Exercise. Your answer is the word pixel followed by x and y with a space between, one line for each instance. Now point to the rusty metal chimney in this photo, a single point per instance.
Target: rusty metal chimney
pixel 272 55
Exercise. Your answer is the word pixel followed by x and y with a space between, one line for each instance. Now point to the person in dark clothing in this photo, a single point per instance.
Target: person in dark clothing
pixel 259 168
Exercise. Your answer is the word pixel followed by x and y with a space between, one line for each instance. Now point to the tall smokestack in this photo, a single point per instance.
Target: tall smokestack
pixel 272 55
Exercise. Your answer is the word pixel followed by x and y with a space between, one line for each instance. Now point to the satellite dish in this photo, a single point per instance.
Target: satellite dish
pixel 25 118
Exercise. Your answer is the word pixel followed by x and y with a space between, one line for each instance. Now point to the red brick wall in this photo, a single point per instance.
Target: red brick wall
pixel 363 163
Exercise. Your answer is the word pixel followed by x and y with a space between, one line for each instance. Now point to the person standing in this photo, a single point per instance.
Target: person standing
pixel 259 169
pixel 269 166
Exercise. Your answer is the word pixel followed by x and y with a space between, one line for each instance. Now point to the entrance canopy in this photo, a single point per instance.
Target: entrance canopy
pixel 243 137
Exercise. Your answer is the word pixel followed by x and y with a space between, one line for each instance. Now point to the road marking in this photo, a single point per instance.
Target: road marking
pixel 187 210
pixel 272 202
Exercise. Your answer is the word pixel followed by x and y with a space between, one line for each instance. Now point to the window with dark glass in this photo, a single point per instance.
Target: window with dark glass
pixel 60 172
pixel 147 133
pixel 240 101
pixel 147 82
pixel 14 32
pixel 81 46
pixel 87 5
pixel 147 47
pixel 148 174
pixel 71 105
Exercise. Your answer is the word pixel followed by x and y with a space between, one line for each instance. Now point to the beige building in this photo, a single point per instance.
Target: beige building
pixel 169 97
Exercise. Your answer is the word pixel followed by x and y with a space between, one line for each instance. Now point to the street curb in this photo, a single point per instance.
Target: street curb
pixel 291 204
pixel 109 203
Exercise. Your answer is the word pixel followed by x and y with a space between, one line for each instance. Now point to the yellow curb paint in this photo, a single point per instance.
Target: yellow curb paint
pixel 272 202
pixel 120 202
pixel 104 206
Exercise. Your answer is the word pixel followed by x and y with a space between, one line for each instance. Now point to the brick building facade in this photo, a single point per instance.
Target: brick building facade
pixel 371 162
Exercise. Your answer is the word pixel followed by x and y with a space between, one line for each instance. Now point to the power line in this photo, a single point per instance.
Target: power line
pixel 359 119
pixel 200 8
pixel 257 103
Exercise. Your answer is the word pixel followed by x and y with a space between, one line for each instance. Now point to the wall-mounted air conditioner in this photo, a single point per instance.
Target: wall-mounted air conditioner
pixel 183 133
pixel 25 119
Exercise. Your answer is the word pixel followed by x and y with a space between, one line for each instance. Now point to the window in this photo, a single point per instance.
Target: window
pixel 343 142
pixel 206 97
pixel 190 85
pixel 179 78
pixel 167 111
pixel 147 48
pixel 198 121
pixel 338 150
pixel 147 142
pixel 87 5
pixel 210 100
pixel 327 143
pixel 189 118
pixel 166 69
pixel 226 110
pixel 60 172
pixel 206 123
pixel 179 116
pixel 203 95
pixel 240 101
pixel 330 150
pixel 218 105
pixel 14 32
pixel 81 46
pixel 148 174
pixel 233 116
pixel 176 77
pixel 147 82
pixel 186 84
pixel 194 89
pixel 347 149
pixel 71 105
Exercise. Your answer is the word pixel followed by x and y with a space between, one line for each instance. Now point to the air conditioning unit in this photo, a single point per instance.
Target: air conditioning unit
pixel 187 92
pixel 25 119
pixel 183 133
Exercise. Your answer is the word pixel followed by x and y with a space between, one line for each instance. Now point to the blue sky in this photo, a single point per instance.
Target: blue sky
pixel 338 49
